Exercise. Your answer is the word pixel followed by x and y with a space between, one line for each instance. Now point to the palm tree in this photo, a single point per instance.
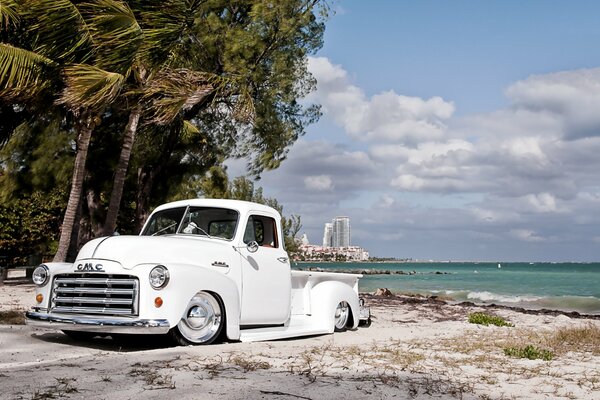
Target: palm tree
pixel 164 90
pixel 83 48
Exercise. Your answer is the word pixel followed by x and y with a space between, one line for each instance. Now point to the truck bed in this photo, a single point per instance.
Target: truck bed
pixel 302 321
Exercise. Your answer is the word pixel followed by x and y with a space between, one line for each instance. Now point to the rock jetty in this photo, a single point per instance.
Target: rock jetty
pixel 372 271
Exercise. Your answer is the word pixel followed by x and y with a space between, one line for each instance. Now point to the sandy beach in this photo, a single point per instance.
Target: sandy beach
pixel 414 349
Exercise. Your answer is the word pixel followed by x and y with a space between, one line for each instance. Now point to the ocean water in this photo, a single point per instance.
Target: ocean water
pixel 557 286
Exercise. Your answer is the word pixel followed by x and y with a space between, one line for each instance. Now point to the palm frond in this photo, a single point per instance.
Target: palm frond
pixel 168 26
pixel 115 31
pixel 188 130
pixel 9 14
pixel 243 109
pixel 62 33
pixel 90 87
pixel 173 91
pixel 23 73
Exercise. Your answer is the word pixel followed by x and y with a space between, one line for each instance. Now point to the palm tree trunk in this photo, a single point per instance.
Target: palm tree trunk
pixel 66 231
pixel 117 191
pixel 145 183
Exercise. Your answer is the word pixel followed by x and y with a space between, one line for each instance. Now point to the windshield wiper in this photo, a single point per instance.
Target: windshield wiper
pixel 164 229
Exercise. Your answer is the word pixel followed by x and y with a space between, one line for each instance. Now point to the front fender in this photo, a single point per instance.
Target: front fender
pixel 185 281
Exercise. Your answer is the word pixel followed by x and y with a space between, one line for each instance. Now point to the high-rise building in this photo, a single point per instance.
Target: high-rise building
pixel 341 232
pixel 328 235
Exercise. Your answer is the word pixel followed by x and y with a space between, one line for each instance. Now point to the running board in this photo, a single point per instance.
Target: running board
pixel 298 326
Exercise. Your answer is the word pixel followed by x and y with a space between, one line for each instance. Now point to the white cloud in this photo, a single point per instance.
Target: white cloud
pixel 574 96
pixel 543 202
pixel 386 201
pixel 526 235
pixel 385 116
pixel 318 183
pixel 525 150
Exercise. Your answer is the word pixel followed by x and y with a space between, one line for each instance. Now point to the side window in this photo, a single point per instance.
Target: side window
pixel 261 229
pixel 249 232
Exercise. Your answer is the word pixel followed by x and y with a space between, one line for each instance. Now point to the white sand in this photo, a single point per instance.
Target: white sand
pixel 410 351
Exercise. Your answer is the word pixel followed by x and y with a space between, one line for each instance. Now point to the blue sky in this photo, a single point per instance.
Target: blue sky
pixel 467 51
pixel 462 130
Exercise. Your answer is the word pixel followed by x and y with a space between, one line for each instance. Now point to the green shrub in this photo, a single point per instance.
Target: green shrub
pixel 486 319
pixel 530 352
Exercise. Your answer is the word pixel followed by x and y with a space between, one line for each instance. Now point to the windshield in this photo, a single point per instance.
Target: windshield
pixel 204 221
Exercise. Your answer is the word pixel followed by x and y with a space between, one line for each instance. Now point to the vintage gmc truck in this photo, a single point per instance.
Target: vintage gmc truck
pixel 200 270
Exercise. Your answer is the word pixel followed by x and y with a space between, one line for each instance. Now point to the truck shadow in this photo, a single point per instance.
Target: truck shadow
pixel 119 343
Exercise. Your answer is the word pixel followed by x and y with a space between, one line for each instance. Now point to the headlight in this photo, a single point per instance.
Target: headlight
pixel 40 275
pixel 159 277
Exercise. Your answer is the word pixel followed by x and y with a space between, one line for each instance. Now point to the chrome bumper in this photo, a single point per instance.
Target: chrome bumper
pixel 364 314
pixel 91 324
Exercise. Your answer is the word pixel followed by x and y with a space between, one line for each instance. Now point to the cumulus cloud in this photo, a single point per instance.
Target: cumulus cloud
pixel 573 96
pixel 318 172
pixel 318 183
pixel 528 149
pixel 526 235
pixel 385 116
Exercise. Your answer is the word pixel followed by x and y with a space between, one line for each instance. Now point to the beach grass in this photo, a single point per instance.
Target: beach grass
pixel 530 352
pixel 480 318
pixel 576 339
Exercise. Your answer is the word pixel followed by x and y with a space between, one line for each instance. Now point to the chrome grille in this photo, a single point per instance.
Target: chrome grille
pixel 95 294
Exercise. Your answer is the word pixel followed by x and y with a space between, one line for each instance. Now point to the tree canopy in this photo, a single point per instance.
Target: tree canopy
pixel 146 97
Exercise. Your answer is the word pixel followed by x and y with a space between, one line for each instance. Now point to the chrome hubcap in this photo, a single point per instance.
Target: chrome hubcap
pixel 202 319
pixel 341 315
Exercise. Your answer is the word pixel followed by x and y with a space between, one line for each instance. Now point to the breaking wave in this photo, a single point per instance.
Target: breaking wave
pixel 491 297
pixel 582 304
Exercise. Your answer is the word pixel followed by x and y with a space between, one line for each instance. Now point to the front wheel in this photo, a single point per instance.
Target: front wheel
pixel 202 321
pixel 341 316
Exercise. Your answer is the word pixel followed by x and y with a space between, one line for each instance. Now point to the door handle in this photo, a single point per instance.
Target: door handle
pixel 282 259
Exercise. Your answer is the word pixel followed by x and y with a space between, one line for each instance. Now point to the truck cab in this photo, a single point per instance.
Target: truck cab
pixel 200 270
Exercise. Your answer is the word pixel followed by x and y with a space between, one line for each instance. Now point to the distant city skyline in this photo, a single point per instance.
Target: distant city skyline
pixel 328 235
pixel 341 232
pixel 337 232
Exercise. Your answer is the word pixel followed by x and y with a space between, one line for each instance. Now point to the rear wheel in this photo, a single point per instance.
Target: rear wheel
pixel 341 316
pixel 202 321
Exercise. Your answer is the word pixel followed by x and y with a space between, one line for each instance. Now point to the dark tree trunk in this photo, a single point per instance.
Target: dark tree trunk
pixel 145 182
pixel 74 246
pixel 92 217
pixel 121 172
pixel 86 128
pixel 146 178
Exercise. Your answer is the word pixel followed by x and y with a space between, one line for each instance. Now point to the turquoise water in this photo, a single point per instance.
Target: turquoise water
pixel 559 286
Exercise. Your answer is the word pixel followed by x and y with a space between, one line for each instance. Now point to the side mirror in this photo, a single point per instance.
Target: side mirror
pixel 252 246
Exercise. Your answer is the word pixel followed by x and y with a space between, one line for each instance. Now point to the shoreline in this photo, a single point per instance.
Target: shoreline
pixel 443 301
pixel 567 290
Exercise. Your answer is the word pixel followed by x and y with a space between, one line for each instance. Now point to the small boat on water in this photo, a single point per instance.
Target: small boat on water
pixel 499 265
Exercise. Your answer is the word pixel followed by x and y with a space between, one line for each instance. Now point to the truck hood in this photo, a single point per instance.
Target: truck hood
pixel 130 251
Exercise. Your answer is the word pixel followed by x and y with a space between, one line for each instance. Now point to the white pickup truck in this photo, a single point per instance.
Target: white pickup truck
pixel 201 270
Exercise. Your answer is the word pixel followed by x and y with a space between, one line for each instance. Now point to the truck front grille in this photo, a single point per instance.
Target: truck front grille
pixel 95 294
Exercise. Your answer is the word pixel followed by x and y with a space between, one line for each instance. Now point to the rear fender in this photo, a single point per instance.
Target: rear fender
pixel 325 296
